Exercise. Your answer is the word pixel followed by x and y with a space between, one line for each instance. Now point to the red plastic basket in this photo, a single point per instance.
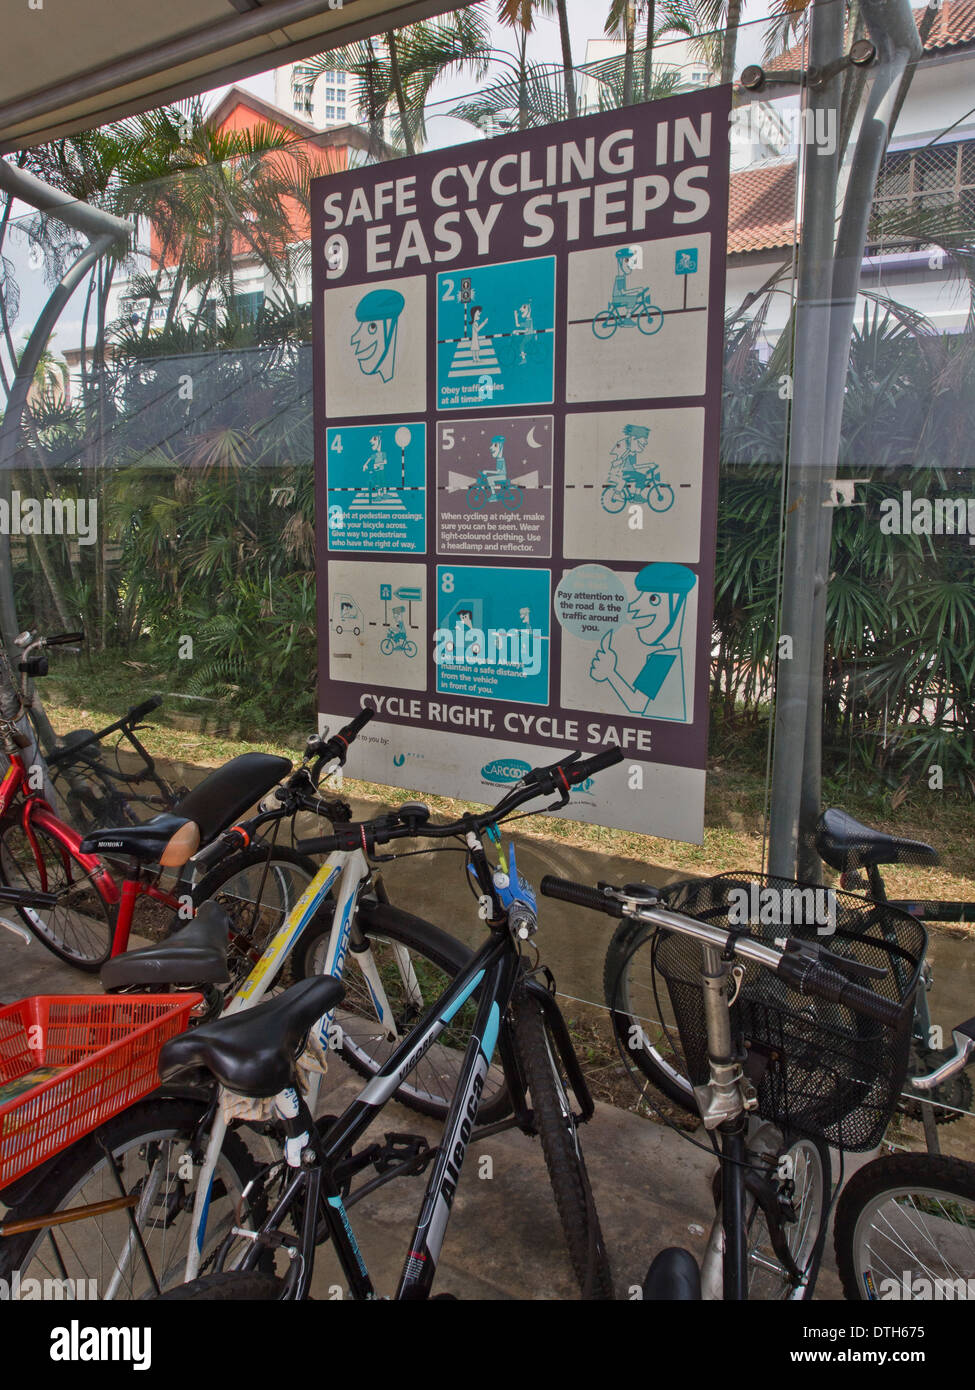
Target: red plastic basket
pixel 69 1062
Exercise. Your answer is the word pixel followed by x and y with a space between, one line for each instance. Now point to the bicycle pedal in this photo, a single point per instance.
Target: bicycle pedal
pixel 400 1148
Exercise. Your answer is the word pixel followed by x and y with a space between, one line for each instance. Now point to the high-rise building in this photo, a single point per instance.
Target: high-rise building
pixel 323 101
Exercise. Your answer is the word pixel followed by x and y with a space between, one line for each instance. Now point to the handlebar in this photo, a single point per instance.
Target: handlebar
pixel 803 972
pixel 333 749
pixel 560 777
pixel 62 639
pixel 138 712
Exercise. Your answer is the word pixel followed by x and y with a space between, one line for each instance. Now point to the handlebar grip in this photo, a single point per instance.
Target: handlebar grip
pixel 357 724
pixel 318 844
pixel 579 772
pixel 809 977
pixel 580 893
pixel 63 638
pixel 138 712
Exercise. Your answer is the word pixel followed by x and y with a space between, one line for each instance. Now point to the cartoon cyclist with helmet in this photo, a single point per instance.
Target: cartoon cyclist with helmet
pixel 374 340
pixel 657 690
pixel 624 298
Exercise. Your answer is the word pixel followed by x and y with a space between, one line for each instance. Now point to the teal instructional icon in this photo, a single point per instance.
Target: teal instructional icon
pixel 376 476
pixel 656 689
pixel 374 340
pixel 495 335
pixel 685 261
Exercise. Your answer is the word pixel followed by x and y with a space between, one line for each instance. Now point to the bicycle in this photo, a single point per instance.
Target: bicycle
pixel 97 794
pixel 480 494
pixel 807 1073
pixel 905 1222
pixel 849 847
pixel 397 642
pixel 180 1147
pixel 638 486
pixel 93 915
pixel 648 317
pixel 308 1192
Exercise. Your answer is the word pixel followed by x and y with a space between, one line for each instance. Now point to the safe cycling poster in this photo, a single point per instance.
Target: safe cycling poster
pixel 517 406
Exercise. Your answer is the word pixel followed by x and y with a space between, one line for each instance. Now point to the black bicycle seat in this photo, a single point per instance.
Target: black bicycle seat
pixel 167 839
pixel 846 844
pixel 195 955
pixel 253 1052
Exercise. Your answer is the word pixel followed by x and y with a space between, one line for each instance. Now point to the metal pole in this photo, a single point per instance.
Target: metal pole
pixel 892 30
pixel 804 510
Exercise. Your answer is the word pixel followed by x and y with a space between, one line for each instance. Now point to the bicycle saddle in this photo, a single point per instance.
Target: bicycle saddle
pixel 167 839
pixel 845 844
pixel 195 955
pixel 253 1052
pixel 226 793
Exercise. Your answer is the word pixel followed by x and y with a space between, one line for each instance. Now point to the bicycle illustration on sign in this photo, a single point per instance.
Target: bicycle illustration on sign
pixel 493 484
pixel 629 480
pixel 397 639
pixel 628 304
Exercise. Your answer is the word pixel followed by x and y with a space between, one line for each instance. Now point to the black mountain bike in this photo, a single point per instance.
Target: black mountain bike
pixel 307 1194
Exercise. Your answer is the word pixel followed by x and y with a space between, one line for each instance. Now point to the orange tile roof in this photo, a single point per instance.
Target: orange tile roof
pixel 761 207
pixel 954 24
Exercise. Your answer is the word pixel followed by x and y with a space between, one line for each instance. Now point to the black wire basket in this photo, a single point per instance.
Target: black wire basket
pixel 819 1068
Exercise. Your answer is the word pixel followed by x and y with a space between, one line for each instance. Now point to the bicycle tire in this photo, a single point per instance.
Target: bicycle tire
pixel 608 323
pixel 631 1005
pixel 558 1133
pixel 904 1177
pixel 81 1175
pixel 652 316
pixel 228 1286
pixel 657 492
pixel 82 915
pixel 430 1087
pixel 810 1172
pixel 288 875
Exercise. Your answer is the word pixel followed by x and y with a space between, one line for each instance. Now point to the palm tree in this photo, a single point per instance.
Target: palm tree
pixel 404 71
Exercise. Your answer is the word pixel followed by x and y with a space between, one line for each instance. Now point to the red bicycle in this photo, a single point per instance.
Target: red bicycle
pixel 93 910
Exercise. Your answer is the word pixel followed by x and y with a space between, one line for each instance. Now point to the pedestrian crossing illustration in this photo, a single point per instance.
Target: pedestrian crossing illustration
pixel 463 364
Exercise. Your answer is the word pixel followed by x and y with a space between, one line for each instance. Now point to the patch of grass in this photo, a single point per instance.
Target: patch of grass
pixel 734 806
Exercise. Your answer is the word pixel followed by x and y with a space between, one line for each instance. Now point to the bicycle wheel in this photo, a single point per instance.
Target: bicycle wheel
pixel 604 324
pixel 613 499
pixel 386 646
pixel 149 1143
pixel 650 320
pixel 661 497
pixel 905 1228
pixel 80 927
pixel 552 1109
pixel 512 498
pixel 257 894
pixel 477 496
pixel 642 1018
pixel 800 1177
pixel 416 962
pixel 228 1287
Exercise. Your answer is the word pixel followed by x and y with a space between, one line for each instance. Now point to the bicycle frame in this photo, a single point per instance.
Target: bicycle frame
pixel 36 810
pixel 495 969
pixel 349 871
